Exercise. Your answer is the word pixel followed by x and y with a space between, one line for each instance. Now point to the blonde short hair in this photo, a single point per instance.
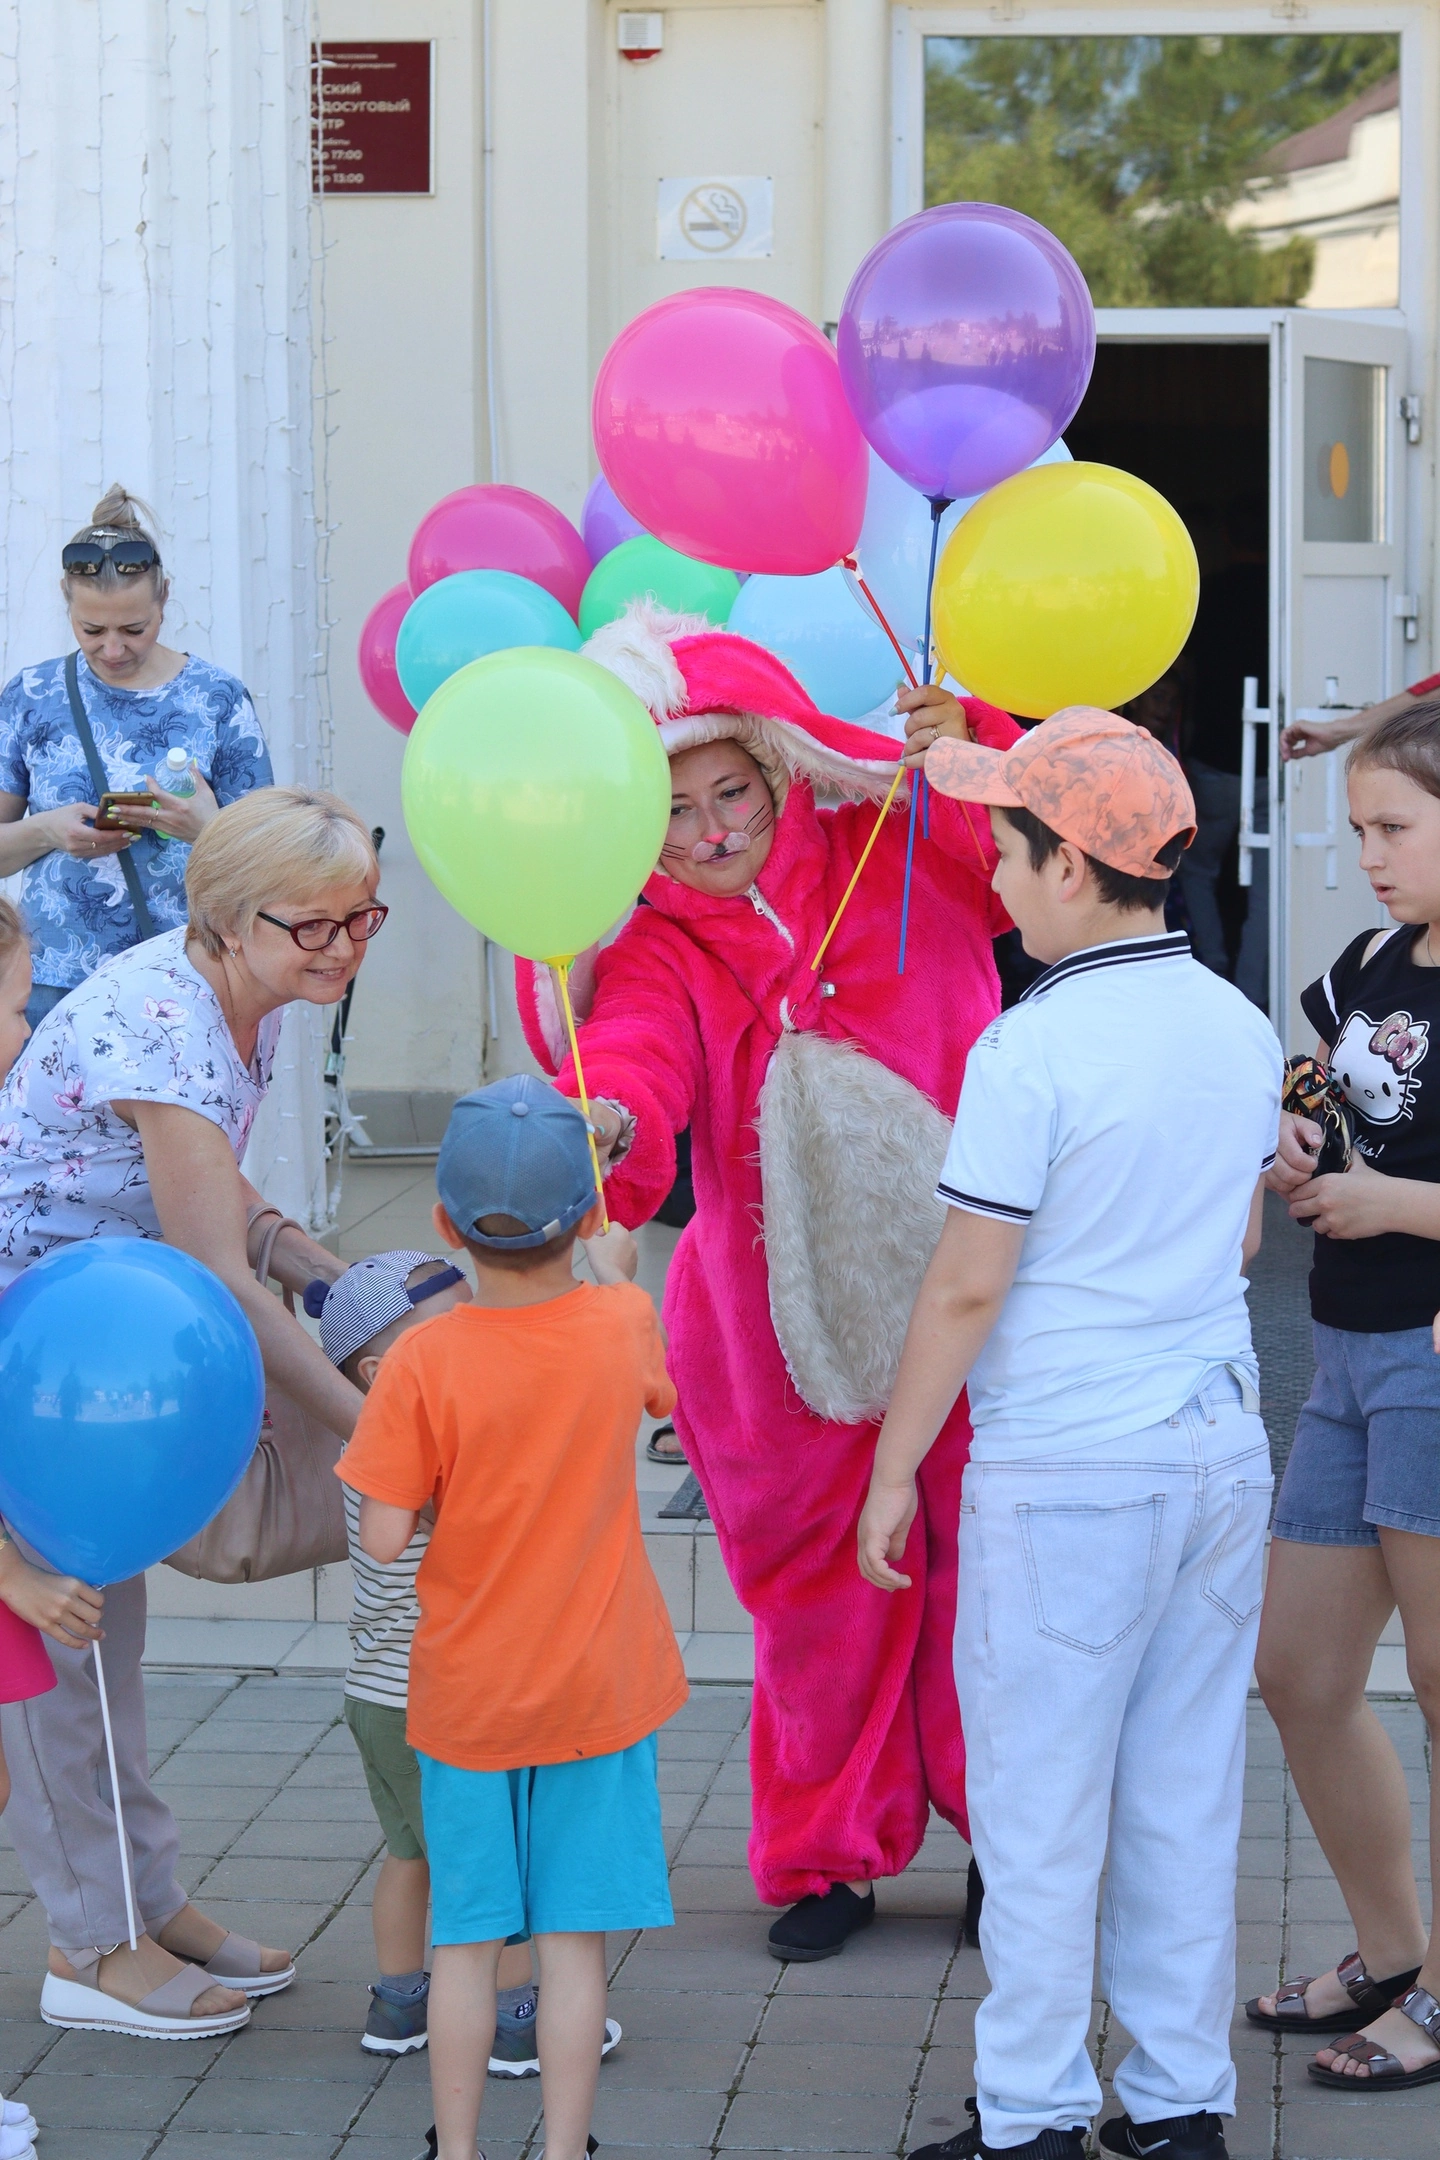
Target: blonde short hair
pixel 272 842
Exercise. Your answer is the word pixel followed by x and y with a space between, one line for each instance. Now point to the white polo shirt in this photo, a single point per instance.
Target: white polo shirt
pixel 1122 1112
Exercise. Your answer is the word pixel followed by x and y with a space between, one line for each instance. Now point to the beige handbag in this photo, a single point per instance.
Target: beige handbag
pixel 287 1513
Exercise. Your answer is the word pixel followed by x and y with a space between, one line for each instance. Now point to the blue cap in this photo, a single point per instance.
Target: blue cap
pixel 515 1148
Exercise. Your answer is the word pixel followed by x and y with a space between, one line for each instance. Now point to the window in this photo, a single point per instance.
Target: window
pixel 1184 171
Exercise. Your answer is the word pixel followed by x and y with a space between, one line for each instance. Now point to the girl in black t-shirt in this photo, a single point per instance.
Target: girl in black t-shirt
pixel 1357 1525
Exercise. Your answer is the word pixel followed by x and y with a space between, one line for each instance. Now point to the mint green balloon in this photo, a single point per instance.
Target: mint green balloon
pixel 646 567
pixel 536 790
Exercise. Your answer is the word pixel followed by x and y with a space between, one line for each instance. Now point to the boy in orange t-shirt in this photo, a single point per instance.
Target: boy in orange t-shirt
pixel 544 1660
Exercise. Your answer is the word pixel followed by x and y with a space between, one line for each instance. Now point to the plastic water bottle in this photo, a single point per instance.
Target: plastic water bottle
pixel 176 775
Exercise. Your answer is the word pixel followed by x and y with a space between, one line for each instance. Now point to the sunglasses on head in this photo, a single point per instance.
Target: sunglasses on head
pixel 128 556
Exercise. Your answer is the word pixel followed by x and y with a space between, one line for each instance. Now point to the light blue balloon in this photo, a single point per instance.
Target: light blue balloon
pixel 824 636
pixel 894 545
pixel 131 1393
pixel 462 618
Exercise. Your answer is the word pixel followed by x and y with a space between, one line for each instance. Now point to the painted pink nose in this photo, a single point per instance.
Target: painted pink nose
pixel 716 846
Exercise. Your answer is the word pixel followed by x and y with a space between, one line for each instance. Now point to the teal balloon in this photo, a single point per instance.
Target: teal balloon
pixel 465 617
pixel 644 568
pixel 825 637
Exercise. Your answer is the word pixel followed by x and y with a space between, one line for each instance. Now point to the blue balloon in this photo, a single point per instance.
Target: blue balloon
pixel 462 618
pixel 824 635
pixel 131 1393
pixel 894 545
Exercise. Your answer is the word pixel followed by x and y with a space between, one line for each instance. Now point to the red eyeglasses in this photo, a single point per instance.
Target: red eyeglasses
pixel 322 930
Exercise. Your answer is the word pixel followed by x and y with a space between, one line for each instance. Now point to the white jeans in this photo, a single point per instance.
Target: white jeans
pixel 1109 1602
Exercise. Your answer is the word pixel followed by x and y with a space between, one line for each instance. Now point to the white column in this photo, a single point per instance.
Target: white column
pixel 155 256
pixel 857 139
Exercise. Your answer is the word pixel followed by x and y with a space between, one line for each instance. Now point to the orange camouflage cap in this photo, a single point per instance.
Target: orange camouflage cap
pixel 1099 781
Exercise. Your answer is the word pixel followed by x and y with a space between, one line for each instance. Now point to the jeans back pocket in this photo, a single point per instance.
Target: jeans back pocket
pixel 1090 1567
pixel 1233 1581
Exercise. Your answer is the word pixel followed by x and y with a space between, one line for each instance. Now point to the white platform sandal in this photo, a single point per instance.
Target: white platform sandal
pixel 166 2013
pixel 237 1964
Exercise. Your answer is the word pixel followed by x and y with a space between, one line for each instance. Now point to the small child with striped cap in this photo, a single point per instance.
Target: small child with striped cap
pixel 361 1315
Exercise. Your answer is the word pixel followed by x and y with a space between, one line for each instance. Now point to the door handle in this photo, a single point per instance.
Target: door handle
pixel 1405 607
pixel 1330 838
pixel 1253 715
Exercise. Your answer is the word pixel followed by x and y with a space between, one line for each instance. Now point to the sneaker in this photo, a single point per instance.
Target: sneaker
pixel 969 2145
pixel 395 2028
pixel 513 2054
pixel 819 1927
pixel 1177 2137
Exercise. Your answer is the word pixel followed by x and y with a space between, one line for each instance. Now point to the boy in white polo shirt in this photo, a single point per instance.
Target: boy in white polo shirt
pixel 1104 1181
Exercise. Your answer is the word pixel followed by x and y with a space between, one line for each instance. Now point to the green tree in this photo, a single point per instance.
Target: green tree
pixel 1131 150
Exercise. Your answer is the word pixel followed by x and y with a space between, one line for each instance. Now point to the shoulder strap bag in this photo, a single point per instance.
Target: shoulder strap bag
pixel 99 780
pixel 287 1513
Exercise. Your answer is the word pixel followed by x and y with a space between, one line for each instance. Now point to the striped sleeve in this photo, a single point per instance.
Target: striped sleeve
pixel 1000 1150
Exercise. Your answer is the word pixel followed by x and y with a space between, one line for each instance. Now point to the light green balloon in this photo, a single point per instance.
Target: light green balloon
pixel 645 566
pixel 536 790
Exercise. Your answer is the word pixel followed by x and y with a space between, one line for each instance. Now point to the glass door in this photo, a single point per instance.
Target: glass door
pixel 1342 616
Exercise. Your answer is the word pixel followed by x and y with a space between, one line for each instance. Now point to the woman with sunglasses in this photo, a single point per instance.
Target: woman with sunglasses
pixel 89 892
pixel 127 1115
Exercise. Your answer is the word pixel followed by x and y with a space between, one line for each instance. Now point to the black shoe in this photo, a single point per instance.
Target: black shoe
pixel 432 2146
pixel 969 2145
pixel 819 1927
pixel 974 1900
pixel 1178 2137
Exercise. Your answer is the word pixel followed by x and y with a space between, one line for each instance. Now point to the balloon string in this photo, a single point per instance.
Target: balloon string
pixel 939 504
pixel 855 875
pixel 849 562
pixel 562 970
pixel 115 1797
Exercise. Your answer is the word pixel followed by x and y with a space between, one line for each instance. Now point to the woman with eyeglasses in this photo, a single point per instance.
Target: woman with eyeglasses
pixel 90 891
pixel 127 1115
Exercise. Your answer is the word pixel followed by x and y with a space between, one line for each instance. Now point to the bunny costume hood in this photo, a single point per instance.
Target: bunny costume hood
pixel 819 1106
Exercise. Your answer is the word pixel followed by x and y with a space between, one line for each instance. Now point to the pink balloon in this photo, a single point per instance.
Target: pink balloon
pixel 721 423
pixel 377 659
pixel 500 528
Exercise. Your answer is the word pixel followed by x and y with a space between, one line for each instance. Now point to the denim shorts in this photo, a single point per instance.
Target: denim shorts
pixel 567 1848
pixel 1367 1445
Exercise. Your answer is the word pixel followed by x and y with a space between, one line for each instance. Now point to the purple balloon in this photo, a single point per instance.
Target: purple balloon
pixel 966 343
pixel 605 522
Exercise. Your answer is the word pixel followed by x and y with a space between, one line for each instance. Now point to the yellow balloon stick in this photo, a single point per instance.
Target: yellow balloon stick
pixel 562 971
pixel 865 857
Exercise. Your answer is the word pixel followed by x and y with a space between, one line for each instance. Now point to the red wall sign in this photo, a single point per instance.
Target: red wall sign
pixel 371 108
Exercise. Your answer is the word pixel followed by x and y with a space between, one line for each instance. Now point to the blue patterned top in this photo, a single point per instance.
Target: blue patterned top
pixel 77 912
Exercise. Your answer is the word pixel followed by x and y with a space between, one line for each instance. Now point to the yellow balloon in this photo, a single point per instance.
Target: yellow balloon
pixel 537 792
pixel 1068 585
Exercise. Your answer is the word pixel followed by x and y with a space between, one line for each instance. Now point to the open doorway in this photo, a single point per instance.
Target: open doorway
pixel 1194 421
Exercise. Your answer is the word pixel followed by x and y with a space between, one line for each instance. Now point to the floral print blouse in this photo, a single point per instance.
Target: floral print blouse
pixel 77 911
pixel 146 1027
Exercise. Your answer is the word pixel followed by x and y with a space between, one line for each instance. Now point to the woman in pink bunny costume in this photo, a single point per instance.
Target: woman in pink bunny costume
pixel 819 1106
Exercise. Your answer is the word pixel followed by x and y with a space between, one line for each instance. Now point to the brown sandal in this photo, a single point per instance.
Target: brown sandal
pixel 1371 1998
pixel 1386 2072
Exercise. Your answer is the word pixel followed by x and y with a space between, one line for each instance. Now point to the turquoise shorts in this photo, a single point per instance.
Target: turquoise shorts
pixel 565 1848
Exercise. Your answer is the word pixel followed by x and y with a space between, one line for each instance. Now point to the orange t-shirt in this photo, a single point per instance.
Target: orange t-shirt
pixel 543 1635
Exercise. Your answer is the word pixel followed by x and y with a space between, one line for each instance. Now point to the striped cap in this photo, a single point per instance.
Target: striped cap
pixel 370 1295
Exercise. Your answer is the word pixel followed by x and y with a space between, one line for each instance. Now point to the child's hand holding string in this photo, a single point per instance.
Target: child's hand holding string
pixel 613 1255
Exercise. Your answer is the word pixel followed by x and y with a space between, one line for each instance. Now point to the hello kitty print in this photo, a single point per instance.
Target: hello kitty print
pixel 146 1027
pixel 1376 1064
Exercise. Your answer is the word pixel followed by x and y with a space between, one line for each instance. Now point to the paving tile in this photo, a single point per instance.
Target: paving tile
pixel 689 2064
pixel 684 2015
pixel 716 1889
pixel 954 2025
pixel 95 2054
pixel 688 1777
pixel 143 2100
pixel 333 2057
pixel 1340 2129
pixel 97 2144
pixel 715 1848
pixel 309 1881
pixel 726 1811
pixel 837 2067
pixel 720 1972
pixel 322 2005
pixel 294 2107
pixel 272 1838
pixel 857 2122
pixel 182 2144
pixel 657 2118
pixel 875 2021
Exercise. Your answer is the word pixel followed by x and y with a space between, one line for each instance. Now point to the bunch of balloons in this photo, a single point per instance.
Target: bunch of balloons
pixel 493 567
